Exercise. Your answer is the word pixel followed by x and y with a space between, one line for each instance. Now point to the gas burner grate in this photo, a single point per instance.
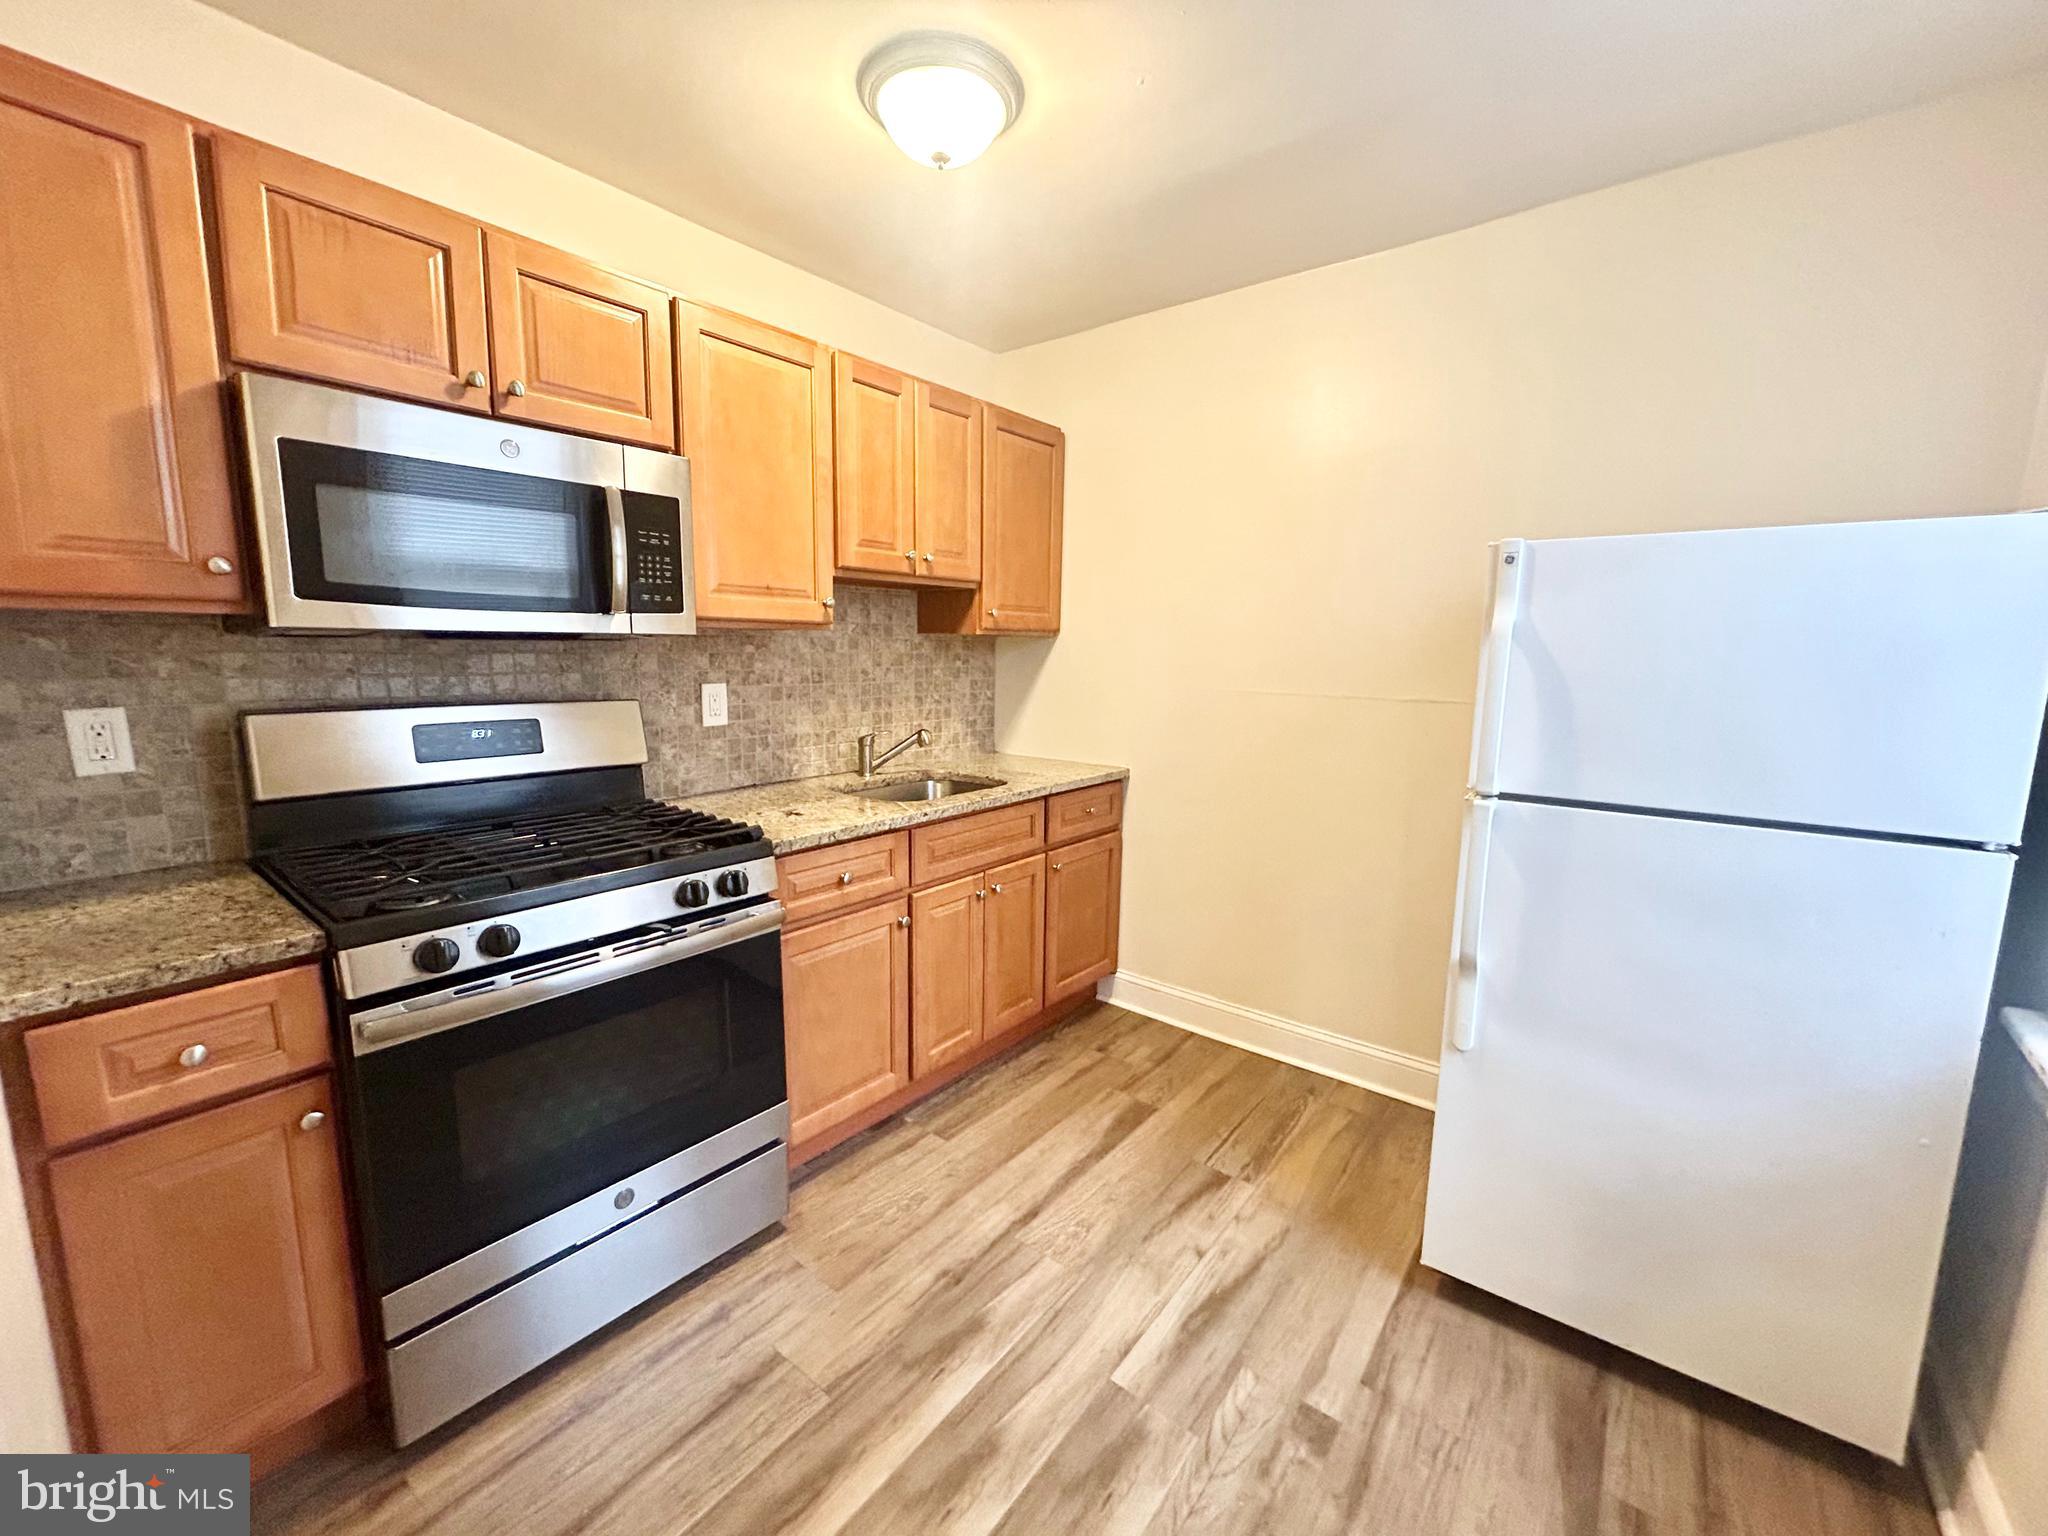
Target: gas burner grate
pixel 415 871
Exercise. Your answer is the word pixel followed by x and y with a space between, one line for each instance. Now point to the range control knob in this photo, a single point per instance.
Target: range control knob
pixel 436 955
pixel 733 882
pixel 692 893
pixel 498 940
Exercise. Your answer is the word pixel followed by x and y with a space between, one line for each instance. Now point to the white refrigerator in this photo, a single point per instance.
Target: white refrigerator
pixel 1742 818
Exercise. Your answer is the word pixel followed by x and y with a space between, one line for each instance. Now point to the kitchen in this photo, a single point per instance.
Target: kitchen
pixel 1316 675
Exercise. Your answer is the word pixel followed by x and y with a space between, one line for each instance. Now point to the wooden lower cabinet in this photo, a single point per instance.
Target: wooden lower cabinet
pixel 947 939
pixel 846 1015
pixel 1083 886
pixel 1013 954
pixel 209 1272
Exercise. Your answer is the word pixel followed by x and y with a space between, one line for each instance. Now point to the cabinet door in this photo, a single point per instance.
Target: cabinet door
pixel 757 428
pixel 209 1270
pixel 1083 885
pixel 1023 489
pixel 1013 958
pixel 329 275
pixel 949 427
pixel 946 972
pixel 114 481
pixel 575 346
pixel 873 468
pixel 846 1015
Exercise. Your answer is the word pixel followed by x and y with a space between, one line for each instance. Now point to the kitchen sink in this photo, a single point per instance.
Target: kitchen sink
pixel 927 787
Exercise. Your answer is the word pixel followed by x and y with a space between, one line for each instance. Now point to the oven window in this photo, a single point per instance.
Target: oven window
pixel 466 1136
pixel 379 528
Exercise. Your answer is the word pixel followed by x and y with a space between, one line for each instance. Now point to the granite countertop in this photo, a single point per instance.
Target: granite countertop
pixel 102 942
pixel 809 813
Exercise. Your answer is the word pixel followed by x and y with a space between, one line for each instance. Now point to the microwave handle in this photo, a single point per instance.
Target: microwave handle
pixel 615 513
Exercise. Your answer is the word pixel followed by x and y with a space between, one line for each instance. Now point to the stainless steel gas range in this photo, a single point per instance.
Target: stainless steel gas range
pixel 561 1014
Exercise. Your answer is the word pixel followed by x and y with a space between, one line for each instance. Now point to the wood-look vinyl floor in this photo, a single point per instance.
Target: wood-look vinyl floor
pixel 1123 1280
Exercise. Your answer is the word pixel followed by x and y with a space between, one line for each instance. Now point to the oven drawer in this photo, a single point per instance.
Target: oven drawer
pixel 822 881
pixel 115 1069
pixel 1082 813
pixel 967 844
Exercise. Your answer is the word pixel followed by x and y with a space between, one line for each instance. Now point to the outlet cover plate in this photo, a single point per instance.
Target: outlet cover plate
pixel 714 704
pixel 99 741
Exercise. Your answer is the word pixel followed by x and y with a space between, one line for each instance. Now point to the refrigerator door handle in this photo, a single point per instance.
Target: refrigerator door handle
pixel 1464 999
pixel 1510 563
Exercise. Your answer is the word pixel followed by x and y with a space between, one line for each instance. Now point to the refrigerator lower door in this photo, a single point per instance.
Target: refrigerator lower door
pixel 1883 677
pixel 1703 1093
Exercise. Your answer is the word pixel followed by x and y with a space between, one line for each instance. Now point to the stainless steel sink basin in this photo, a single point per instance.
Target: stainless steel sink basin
pixel 928 787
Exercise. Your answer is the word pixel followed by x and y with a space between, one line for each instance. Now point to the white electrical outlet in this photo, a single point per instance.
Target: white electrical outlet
pixel 99 741
pixel 714 703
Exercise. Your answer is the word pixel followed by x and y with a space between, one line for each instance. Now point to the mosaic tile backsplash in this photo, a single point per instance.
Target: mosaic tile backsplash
pixel 796 701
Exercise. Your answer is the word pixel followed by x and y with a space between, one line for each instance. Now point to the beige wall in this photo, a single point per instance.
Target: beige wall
pixel 1278 501
pixel 202 62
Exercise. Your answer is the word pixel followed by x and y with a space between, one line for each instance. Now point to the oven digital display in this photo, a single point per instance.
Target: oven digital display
pixel 451 741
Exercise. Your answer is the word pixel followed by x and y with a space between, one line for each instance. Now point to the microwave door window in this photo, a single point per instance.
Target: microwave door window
pixel 379 528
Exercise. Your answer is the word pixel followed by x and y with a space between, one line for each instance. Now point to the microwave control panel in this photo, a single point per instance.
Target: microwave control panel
pixel 654 554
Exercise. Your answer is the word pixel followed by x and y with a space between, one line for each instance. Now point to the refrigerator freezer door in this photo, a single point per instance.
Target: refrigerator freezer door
pixel 1712 1106
pixel 1886 677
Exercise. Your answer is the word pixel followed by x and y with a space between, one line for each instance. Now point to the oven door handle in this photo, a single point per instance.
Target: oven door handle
pixel 615 515
pixel 376 1029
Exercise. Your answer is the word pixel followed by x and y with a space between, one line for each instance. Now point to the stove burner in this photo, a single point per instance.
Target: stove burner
pixel 414 871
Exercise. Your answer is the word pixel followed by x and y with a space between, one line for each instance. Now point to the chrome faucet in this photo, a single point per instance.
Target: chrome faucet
pixel 870 761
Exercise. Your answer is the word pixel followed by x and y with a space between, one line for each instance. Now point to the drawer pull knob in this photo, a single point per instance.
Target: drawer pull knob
pixel 927 558
pixel 1093 809
pixel 846 877
pixel 1058 867
pixel 910 554
pixel 981 895
pixel 903 922
pixel 312 1120
pixel 193 1056
pixel 997 887
pixel 220 565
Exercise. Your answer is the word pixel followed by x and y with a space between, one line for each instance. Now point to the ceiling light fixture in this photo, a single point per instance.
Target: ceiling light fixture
pixel 943 98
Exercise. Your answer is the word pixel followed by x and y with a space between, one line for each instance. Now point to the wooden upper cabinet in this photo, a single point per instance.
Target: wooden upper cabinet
pixel 845 1015
pixel 576 346
pixel 756 408
pixel 946 972
pixel 210 1274
pixel 332 276
pixel 1083 891
pixel 873 470
pixel 949 454
pixel 1013 959
pixel 114 470
pixel 1024 466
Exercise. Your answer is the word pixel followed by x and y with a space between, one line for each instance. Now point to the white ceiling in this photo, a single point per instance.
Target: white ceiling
pixel 1166 150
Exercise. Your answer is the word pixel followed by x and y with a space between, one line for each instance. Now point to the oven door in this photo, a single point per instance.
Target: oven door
pixel 373 514
pixel 501 1122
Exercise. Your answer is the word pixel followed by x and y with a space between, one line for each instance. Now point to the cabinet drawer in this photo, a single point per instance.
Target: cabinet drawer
pixel 113 1069
pixel 1086 812
pixel 821 881
pixel 969 844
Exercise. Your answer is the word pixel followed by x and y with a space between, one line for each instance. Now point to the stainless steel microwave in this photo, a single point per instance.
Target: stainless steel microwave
pixel 372 514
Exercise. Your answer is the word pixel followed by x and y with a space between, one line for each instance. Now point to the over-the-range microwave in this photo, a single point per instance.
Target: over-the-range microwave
pixel 372 514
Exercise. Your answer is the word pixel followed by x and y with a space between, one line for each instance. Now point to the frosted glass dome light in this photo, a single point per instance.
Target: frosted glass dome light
pixel 943 98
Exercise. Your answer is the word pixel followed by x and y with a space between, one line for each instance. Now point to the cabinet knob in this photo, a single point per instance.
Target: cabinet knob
pixel 475 378
pixel 1091 810
pixel 1058 867
pixel 312 1120
pixel 927 557
pixel 516 388
pixel 903 922
pixel 220 565
pixel 991 613
pixel 910 554
pixel 997 887
pixel 981 895
pixel 193 1056
pixel 828 602
pixel 846 877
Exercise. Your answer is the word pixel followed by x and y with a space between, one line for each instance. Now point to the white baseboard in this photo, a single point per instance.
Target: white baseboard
pixel 1396 1074
pixel 1959 1480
